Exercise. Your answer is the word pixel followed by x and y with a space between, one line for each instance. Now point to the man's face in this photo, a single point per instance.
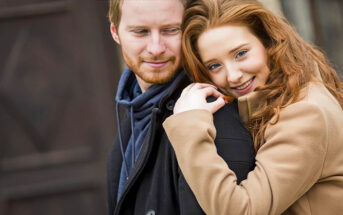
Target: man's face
pixel 150 38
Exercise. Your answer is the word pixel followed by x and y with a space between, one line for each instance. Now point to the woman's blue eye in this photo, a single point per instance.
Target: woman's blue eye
pixel 241 53
pixel 213 66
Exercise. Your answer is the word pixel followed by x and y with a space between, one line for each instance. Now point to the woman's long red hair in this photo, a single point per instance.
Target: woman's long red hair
pixel 292 61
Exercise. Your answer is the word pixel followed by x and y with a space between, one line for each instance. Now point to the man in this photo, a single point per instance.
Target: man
pixel 143 174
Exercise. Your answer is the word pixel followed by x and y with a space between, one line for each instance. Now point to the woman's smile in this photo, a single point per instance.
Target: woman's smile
pixel 239 64
pixel 245 87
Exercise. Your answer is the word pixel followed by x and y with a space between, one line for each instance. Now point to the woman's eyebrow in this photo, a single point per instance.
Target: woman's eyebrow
pixel 237 47
pixel 230 52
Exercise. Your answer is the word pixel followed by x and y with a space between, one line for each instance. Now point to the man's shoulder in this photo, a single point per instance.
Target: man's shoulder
pixel 177 85
pixel 229 124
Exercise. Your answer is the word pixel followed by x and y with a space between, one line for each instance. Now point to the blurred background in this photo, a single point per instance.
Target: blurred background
pixel 59 68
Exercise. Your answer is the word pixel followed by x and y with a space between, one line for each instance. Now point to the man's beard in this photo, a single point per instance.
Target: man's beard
pixel 151 75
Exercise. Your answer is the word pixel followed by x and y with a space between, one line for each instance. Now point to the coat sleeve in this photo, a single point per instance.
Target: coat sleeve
pixel 287 165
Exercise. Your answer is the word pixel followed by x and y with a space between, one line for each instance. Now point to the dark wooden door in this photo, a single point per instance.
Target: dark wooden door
pixel 58 68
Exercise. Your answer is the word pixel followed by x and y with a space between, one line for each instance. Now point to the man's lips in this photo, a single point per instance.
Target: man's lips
pixel 156 64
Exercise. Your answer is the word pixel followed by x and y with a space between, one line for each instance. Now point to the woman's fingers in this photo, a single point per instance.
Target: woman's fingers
pixel 194 97
pixel 216 105
pixel 202 85
pixel 187 89
pixel 210 91
pixel 195 87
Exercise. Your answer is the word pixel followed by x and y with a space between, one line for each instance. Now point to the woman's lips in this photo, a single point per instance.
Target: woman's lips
pixel 157 65
pixel 245 87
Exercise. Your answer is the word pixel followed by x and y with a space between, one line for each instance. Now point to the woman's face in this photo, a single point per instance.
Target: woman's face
pixel 235 58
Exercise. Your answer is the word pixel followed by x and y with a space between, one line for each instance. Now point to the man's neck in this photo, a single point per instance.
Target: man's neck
pixel 142 84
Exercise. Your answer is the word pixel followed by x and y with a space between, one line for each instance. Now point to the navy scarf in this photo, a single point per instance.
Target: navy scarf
pixel 139 107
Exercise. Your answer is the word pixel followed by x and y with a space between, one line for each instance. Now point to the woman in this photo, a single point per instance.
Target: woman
pixel 289 98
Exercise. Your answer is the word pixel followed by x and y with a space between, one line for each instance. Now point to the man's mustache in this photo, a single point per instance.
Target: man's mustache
pixel 157 58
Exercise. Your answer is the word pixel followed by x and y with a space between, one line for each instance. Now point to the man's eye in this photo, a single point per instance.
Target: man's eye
pixel 140 31
pixel 171 30
pixel 213 66
pixel 241 54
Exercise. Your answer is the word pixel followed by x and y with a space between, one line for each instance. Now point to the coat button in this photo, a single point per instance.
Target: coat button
pixel 151 212
pixel 170 105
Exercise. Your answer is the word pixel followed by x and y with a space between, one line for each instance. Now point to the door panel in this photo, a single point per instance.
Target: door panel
pixel 58 69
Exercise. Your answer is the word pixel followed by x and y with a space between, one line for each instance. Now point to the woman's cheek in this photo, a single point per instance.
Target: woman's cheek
pixel 253 65
pixel 219 80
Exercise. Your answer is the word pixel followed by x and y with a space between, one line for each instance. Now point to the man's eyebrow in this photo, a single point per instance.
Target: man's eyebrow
pixel 172 25
pixel 135 26
pixel 178 24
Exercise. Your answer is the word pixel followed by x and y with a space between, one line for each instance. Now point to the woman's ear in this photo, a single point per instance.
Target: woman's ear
pixel 114 33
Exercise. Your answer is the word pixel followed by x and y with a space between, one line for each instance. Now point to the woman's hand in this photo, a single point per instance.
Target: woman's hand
pixel 194 97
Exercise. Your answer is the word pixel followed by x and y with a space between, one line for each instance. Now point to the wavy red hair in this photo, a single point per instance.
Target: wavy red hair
pixel 292 61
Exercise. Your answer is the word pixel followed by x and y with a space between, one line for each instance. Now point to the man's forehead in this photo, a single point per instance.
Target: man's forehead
pixel 153 4
pixel 152 12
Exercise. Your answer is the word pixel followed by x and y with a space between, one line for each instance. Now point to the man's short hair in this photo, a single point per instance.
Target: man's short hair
pixel 114 13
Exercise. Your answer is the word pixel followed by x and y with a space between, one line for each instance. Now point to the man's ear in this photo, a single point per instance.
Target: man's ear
pixel 114 34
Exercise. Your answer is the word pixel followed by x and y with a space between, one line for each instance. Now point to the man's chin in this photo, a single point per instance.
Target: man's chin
pixel 157 76
pixel 159 79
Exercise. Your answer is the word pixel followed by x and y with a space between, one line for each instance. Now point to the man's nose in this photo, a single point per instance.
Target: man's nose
pixel 156 45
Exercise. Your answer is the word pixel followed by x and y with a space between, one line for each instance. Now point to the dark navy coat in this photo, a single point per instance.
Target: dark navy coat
pixel 156 184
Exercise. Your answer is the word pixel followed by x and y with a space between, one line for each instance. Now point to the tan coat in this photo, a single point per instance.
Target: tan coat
pixel 299 169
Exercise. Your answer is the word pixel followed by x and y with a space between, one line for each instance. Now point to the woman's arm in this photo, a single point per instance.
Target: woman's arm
pixel 287 165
